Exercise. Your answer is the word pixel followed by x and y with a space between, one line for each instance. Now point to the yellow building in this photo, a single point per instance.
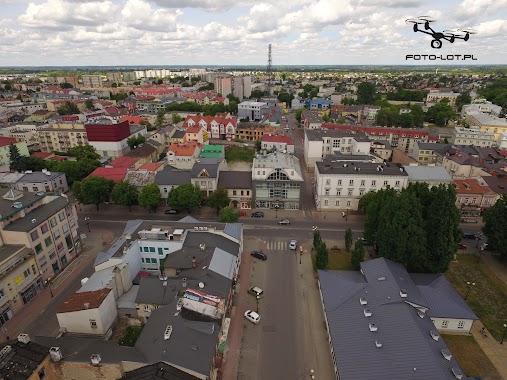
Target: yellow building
pixel 61 137
pixel 487 123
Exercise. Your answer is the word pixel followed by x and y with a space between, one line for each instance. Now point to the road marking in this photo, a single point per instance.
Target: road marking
pixel 276 245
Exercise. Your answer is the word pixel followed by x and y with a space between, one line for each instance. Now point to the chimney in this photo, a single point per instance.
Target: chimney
pixel 24 338
pixel 194 262
pixel 184 282
pixel 55 354
pixel 87 305
pixel 95 359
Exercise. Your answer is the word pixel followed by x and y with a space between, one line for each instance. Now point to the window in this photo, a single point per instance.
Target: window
pixel 59 247
pixel 44 228
pixel 337 203
pixel 327 192
pixel 34 235
pixel 351 182
pixel 338 191
pixel 146 249
pixel 42 373
pixel 48 241
pixel 35 188
pixel 147 308
pixel 153 261
pixel 93 323
pixel 350 192
pixel 53 222
pixel 152 249
pixel 26 273
pixel 65 228
pixel 62 216
pixel 38 248
pixel 56 234
pixel 52 254
pixel 328 182
pixel 385 183
pixel 374 183
pixel 461 324
pixel 339 182
pixel 361 193
pixel 397 183
pixel 242 192
pixel 349 203
pixel 445 323
pixel 160 251
pixel 363 182
pixel 43 262
pixel 234 192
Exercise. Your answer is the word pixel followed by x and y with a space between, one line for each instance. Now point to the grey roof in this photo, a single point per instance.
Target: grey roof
pixel 8 250
pixel 191 345
pixel 10 177
pixel 6 205
pixel 154 142
pixel 405 337
pixel 153 291
pixel 189 219
pixel 41 214
pixel 172 176
pixel 99 279
pixel 430 146
pixel 117 246
pixel 158 371
pixel 427 173
pixel 208 164
pixel 223 263
pixel 37 177
pixel 22 360
pixel 319 134
pixel 359 168
pixel 235 179
pixel 313 116
pixel 81 349
pixel 178 134
pixel 234 230
pixel 495 183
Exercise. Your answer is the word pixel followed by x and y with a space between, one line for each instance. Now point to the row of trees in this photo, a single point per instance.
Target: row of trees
pixel 357 256
pixel 495 222
pixel 417 227
pixel 321 252
pixel 439 114
pixel 206 110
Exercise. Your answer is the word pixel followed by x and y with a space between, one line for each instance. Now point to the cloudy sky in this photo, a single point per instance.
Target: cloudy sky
pixel 237 32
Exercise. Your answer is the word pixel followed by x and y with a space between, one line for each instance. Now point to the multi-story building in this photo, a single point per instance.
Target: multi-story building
pixel 472 136
pixel 183 155
pixel 62 136
pixel 44 181
pixel 432 175
pixel 251 110
pixel 403 139
pixel 223 86
pixel 239 188
pixel 5 142
pixel 502 140
pixel 340 185
pixel 484 107
pixel 280 143
pixel 23 132
pixel 487 123
pixel 216 127
pixel 46 224
pixel 255 131
pixel 426 153
pixel 92 81
pixel 205 174
pixel 242 87
pixel 276 182
pixel 437 96
pixel 473 195
pixel 318 104
pixel 311 119
pixel 319 143
pixel 114 76
pixel 110 140
pixel 462 165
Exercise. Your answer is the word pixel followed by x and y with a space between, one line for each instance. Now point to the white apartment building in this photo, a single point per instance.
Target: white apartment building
pixel 320 143
pixel 24 132
pixel 484 107
pixel 251 110
pixel 437 96
pixel 340 185
pixel 242 86
pixel 502 141
pixel 472 136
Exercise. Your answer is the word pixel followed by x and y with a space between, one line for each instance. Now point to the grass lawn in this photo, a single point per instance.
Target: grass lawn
pixel 488 298
pixel 235 153
pixel 470 357
pixel 130 337
pixel 338 260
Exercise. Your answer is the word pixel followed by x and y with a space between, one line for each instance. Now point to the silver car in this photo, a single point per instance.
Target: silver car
pixel 284 221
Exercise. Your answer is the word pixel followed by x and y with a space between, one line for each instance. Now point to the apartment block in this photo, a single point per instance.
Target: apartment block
pixel 223 86
pixel 91 81
pixel 61 137
pixel 242 87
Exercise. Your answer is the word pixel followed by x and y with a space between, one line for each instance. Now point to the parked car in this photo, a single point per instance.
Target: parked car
pixel 468 235
pixel 462 246
pixel 252 316
pixel 257 214
pixel 259 255
pixel 469 221
pixel 365 242
pixel 171 211
pixel 284 221
pixel 256 291
pixel 293 245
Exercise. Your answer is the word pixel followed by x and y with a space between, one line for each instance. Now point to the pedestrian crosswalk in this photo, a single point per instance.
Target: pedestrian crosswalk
pixel 277 245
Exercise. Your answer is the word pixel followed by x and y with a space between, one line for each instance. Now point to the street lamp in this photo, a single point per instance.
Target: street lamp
pixel 469 285
pixel 257 298
pixel 48 285
pixel 300 254
pixel 311 374
pixel 87 220
pixel 277 206
pixel 504 331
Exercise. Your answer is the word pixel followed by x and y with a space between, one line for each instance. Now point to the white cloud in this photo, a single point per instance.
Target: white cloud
pixel 139 14
pixel 392 3
pixel 477 8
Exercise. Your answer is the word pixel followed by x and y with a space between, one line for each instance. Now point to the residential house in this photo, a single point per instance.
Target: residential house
pixel 183 155
pixel 473 195
pixel 248 131
pixel 216 127
pixel 169 178
pixel 280 143
pixel 251 110
pixel 472 136
pixel 497 184
pixel 88 313
pixel 45 181
pixel 318 104
pixel 382 149
pixel 276 182
pixel 153 167
pixel 432 175
pixel 164 135
pixel 145 153
pixel 114 174
pixel 213 151
pixel 340 186
pixel 205 174
pixel 462 165
pixel 5 142
pixel 297 103
pixel 437 96
pixel 10 179
pixel 311 120
pixel 178 136
pixel 371 314
pixel 427 153
pixel 39 116
pixel 239 188
pixel 338 98
pixel 125 163
pixel 195 133
pixel 46 224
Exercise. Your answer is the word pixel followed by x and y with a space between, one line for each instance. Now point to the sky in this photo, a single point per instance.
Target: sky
pixel 237 32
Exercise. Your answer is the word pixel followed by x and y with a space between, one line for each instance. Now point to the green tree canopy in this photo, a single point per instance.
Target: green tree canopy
pixel 93 190
pixel 89 104
pixel 68 108
pixel 357 255
pixel 134 141
pixel 298 114
pixel 285 97
pixel 218 199
pixel 228 215
pixel 16 161
pixel 321 256
pixel 184 197
pixel 366 93
pixel 160 118
pixel 149 197
pixel 84 152
pixel 440 114
pixel 125 194
pixel 495 227
pixel 348 239
pixel 462 99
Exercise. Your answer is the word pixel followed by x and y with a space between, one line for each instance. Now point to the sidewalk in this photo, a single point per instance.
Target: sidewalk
pixel 31 311
pixel 495 351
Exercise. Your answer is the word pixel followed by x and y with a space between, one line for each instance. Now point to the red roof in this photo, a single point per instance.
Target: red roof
pixel 375 131
pixel 469 186
pixel 194 129
pixel 58 158
pixel 77 301
pixel 7 141
pixel 115 174
pixel 124 162
pixel 151 166
pixel 208 120
pixel 132 119
pixel 42 155
pixel 277 139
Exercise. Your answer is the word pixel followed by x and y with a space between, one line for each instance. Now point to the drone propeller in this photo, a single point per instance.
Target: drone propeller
pixel 468 33
pixel 451 34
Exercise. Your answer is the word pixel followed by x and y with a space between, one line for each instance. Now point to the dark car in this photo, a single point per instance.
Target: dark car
pixel 259 255
pixel 171 211
pixel 462 246
pixel 468 235
pixel 257 214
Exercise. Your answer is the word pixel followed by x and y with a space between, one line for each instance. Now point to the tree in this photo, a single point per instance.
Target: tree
pixel 160 118
pixel 462 99
pixel 348 239
pixel 321 256
pixel 219 199
pixel 65 85
pixel 83 152
pixel 176 118
pixel 258 145
pixel 298 114
pixel 285 97
pixel 134 141
pixel 150 197
pixel 34 163
pixel 495 220
pixel 184 197
pixel 16 162
pixel 89 104
pixel 125 194
pixel 228 215
pixel 366 93
pixel 440 114
pixel 257 94
pixel 68 108
pixel 93 190
pixel 357 255
pixel 316 238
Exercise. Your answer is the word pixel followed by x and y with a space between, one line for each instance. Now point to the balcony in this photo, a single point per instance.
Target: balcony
pixel 3 301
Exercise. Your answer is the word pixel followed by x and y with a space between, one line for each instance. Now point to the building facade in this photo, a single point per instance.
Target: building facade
pixel 61 137
pixel 45 181
pixel 251 110
pixel 472 136
pixel 92 81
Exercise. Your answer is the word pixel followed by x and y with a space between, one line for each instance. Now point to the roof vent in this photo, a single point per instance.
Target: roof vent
pixel 435 335
pixel 367 313
pixel 5 351
pixel 457 373
pixel 184 282
pixel 201 285
pixel 403 293
pixel 17 205
pixel 55 354
pixel 168 331
pixel 420 313
pixel 86 305
pixel 362 301
pixel 202 246
pixel 95 359
pixel 381 278
pixel 194 262
pixel 23 338
pixel 378 343
pixel 446 354
pixel 34 220
pixel 373 327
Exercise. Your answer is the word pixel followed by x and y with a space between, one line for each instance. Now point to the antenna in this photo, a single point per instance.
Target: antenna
pixel 269 70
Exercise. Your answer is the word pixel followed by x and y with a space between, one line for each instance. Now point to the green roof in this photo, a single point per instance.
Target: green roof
pixel 212 151
pixel 211 155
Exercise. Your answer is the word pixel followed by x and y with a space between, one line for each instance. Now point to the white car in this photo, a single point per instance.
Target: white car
pixel 293 245
pixel 252 316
